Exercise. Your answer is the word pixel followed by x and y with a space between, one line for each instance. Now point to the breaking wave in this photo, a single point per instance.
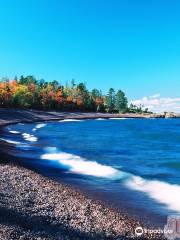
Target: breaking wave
pixel 71 120
pixel 100 119
pixel 29 137
pixel 162 192
pixel 165 193
pixel 10 141
pixel 40 125
pixel 14 132
pixel 79 165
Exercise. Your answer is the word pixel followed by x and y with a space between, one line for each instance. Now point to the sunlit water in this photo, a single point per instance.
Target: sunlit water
pixel 133 164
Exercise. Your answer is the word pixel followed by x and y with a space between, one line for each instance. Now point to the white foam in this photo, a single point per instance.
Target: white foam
pixel 10 141
pixel 162 192
pixel 100 119
pixel 29 137
pixel 40 125
pixel 71 120
pixel 14 132
pixel 118 118
pixel 168 194
pixel 79 165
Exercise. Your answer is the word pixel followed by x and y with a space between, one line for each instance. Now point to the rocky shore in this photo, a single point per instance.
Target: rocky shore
pixel 9 116
pixel 35 207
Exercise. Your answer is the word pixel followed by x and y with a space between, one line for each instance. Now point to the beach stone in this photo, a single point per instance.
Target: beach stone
pixel 34 207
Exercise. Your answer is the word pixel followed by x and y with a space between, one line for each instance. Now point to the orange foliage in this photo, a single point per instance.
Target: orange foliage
pixel 79 102
pixel 59 96
pixel 69 99
pixel 13 83
pixel 99 101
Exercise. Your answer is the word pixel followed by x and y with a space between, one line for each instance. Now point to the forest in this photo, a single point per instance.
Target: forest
pixel 27 92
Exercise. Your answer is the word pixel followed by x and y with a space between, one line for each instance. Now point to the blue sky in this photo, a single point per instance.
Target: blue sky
pixel 129 44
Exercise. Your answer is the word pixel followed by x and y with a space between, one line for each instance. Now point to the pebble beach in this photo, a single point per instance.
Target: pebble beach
pixel 35 207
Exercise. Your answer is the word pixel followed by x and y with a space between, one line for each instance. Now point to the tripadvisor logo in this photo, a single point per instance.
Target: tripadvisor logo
pixel 171 230
pixel 139 231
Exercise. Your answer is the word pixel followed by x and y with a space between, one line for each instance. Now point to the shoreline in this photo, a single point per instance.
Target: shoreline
pixel 45 209
pixel 30 116
pixel 13 116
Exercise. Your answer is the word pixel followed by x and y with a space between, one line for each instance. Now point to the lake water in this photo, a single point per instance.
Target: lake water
pixel 133 164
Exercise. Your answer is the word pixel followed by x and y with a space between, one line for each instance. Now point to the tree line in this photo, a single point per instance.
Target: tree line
pixel 31 93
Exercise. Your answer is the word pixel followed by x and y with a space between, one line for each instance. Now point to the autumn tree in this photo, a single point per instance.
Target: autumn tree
pixel 29 92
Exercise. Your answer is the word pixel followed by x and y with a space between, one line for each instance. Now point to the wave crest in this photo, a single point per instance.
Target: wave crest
pixel 29 137
pixel 168 194
pixel 71 120
pixel 162 192
pixel 79 165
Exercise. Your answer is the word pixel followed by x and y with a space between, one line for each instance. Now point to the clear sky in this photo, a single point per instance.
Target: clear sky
pixel 129 44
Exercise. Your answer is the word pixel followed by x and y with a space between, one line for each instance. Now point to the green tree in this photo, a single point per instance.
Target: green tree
pixel 73 84
pixel 96 93
pixel 132 108
pixel 121 102
pixel 54 84
pixel 22 97
pixel 42 83
pixel 97 100
pixel 81 87
pixel 110 100
pixel 27 80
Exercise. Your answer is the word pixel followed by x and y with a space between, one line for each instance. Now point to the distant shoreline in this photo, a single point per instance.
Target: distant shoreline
pixel 12 116
pixel 33 206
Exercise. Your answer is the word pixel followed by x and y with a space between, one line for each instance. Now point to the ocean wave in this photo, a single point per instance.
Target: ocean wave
pixel 119 118
pixel 71 120
pixel 165 193
pixel 29 137
pixel 100 119
pixel 10 141
pixel 162 192
pixel 79 165
pixel 40 125
pixel 14 132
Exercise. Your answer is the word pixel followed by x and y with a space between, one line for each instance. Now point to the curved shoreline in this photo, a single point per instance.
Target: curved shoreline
pixel 35 207
pixel 13 116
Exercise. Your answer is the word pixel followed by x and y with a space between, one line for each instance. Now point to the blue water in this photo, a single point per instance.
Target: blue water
pixel 133 164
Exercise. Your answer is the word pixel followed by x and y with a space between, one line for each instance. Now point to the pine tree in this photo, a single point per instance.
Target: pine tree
pixel 110 100
pixel 121 102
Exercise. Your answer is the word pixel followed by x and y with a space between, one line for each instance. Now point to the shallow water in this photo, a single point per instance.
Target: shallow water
pixel 133 164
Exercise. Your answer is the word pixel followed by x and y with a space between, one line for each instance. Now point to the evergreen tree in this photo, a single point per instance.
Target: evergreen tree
pixel 95 94
pixel 110 100
pixel 121 102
